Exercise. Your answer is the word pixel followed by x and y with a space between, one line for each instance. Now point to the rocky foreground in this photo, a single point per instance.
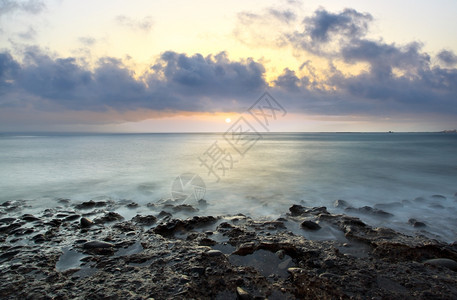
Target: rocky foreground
pixel 88 251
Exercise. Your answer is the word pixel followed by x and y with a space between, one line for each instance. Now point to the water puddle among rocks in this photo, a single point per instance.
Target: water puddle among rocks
pixel 266 262
pixel 70 259
pixel 224 248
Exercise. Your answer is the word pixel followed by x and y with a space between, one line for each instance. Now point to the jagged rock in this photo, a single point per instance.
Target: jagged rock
pixel 310 225
pixel 90 204
pixel 109 217
pixel 144 220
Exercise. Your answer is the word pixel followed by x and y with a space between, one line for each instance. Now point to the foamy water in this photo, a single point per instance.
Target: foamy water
pixel 277 171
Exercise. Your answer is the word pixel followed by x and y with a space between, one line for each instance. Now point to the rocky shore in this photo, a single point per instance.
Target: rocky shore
pixel 88 251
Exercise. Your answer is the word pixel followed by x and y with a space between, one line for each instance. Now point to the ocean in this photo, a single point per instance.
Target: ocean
pixel 409 175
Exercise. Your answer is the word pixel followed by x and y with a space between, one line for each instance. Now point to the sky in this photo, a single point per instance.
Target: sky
pixel 198 66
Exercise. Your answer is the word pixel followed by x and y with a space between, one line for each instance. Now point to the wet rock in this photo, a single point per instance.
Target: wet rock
pixel 109 217
pixel 310 225
pixel 245 249
pixel 97 244
pixel 341 204
pixel 90 204
pixel 7 220
pixel 144 220
pixel 442 262
pixel 132 205
pixel 9 228
pixel 202 203
pixel 72 218
pixel 184 208
pixel 29 218
pixel 214 253
pixel 164 214
pixel 242 294
pixel 370 211
pixel 416 223
pixel 296 210
pixel 63 201
pixel 8 255
pixel 86 223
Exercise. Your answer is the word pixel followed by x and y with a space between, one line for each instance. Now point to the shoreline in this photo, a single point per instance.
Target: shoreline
pixel 89 251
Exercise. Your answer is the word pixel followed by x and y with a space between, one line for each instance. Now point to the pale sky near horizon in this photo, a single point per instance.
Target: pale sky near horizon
pixel 161 66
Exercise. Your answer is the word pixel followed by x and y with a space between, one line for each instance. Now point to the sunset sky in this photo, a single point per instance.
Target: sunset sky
pixel 164 66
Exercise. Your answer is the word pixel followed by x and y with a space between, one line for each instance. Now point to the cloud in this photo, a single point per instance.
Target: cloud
pixel 326 32
pixel 29 34
pixel 175 82
pixel 144 25
pixel 394 79
pixel 30 6
pixel 87 40
pixel 263 29
pixel 448 58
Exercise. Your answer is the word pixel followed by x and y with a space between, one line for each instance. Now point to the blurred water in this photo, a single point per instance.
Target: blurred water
pixel 279 170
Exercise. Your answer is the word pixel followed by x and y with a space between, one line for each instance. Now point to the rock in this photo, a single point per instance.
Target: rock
pixel 438 197
pixel 416 223
pixel 310 225
pixel 296 210
pixel 72 218
pixel 29 218
pixel 164 214
pixel 132 205
pixel 97 244
pixel 214 253
pixel 242 294
pixel 63 201
pixel 7 220
pixel 245 249
pixel 341 204
pixel 144 220
pixel 86 223
pixel 90 204
pixel 185 208
pixel 442 262
pixel 370 211
pixel 202 203
pixel 109 217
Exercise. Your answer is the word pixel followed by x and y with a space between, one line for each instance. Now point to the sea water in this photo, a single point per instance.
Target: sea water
pixel 260 176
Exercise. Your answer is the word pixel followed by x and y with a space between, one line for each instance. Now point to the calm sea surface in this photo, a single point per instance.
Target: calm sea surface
pixel 274 172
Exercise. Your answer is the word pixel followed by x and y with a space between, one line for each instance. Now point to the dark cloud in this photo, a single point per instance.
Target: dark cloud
pixel 144 24
pixel 9 69
pixel 447 57
pixel 176 82
pixel 31 6
pixel 326 31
